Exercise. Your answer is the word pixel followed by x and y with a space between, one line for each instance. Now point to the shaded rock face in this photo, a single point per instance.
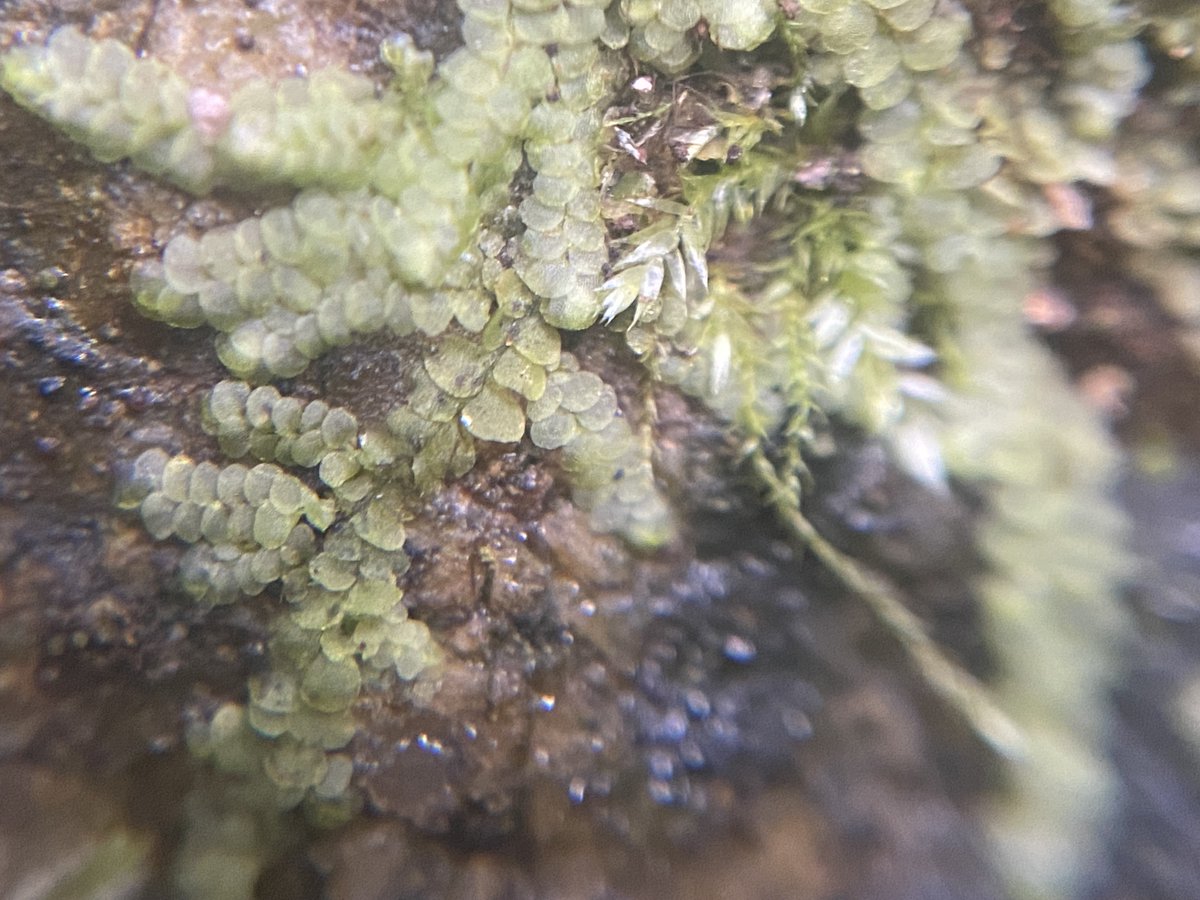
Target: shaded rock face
pixel 710 725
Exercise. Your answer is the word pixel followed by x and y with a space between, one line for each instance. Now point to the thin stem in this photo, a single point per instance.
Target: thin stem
pixel 956 687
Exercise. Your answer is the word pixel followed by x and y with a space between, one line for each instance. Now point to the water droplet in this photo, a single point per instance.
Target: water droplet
pixel 738 649
pixel 576 790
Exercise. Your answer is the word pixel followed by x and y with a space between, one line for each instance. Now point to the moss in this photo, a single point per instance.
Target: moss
pixel 882 307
